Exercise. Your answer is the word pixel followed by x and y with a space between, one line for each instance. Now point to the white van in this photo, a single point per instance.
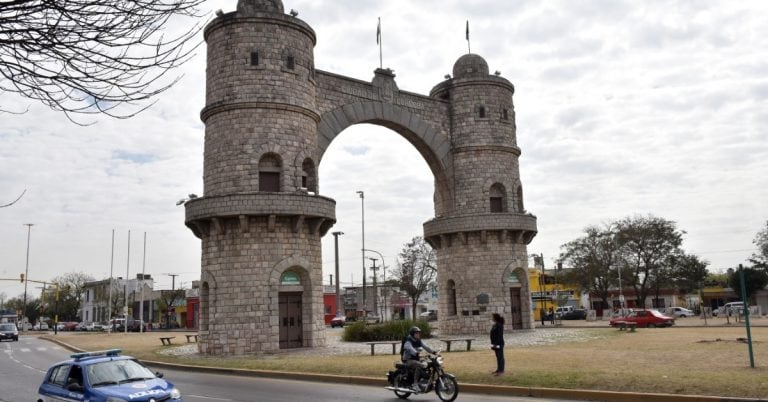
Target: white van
pixel 562 310
pixel 731 308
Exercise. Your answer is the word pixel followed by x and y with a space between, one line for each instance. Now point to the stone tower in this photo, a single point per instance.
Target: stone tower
pixel 269 117
pixel 260 220
pixel 481 242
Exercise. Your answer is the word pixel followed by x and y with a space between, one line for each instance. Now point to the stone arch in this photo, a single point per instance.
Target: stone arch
pixel 508 191
pixel 450 286
pixel 519 199
pixel 520 272
pixel 298 170
pixel 433 145
pixel 284 264
pixel 497 198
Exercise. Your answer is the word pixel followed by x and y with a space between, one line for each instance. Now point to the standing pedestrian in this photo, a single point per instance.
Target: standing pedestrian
pixel 497 343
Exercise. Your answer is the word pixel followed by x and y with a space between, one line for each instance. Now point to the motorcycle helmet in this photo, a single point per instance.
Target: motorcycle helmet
pixel 414 330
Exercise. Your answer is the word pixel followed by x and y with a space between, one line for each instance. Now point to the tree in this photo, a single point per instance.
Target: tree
pixel 71 287
pixel 167 300
pixel 646 245
pixel 760 259
pixel 92 56
pixel 14 201
pixel 591 258
pixel 754 280
pixel 416 269
pixel 689 273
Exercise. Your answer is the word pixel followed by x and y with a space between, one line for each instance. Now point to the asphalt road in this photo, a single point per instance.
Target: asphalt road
pixel 24 363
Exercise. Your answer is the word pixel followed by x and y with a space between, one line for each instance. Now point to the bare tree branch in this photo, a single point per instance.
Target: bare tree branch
pixel 14 201
pixel 93 56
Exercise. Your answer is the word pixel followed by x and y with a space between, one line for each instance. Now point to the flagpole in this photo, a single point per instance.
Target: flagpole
pixel 378 40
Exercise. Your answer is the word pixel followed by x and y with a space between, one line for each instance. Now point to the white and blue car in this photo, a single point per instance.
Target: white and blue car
pixel 105 376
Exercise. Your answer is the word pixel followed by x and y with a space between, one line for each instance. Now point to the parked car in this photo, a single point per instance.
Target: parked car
pixel 428 315
pixel 645 319
pixel 575 314
pixel 562 310
pixel 105 376
pixel 372 319
pixel 9 331
pixel 681 312
pixel 40 326
pixel 338 322
pixel 730 309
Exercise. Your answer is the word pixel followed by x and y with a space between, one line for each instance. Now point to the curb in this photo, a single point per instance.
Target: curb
pixel 499 390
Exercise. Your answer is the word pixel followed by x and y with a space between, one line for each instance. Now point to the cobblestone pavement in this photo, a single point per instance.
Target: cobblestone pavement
pixel 565 331
pixel 336 346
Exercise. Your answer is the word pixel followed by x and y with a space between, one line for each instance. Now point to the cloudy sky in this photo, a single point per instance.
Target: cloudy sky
pixel 623 108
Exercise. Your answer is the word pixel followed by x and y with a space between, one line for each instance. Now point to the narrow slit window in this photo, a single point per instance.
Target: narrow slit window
pixel 505 114
pixel 291 63
pixel 254 58
pixel 481 112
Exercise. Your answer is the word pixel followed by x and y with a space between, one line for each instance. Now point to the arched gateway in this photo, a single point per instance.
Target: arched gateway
pixel 270 116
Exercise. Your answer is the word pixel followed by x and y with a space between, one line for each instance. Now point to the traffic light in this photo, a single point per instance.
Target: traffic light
pixel 22 277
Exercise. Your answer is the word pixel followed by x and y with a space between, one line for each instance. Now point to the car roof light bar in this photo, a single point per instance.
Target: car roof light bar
pixel 108 352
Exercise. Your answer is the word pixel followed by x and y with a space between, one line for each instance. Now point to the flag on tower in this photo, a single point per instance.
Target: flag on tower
pixel 378 32
pixel 469 49
pixel 467 29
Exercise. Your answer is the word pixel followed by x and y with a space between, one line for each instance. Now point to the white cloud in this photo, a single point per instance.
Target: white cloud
pixel 622 108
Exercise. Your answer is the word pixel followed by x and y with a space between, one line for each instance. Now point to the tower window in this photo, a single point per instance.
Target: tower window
pixel 505 114
pixel 290 62
pixel 269 173
pixel 254 58
pixel 481 112
pixel 497 195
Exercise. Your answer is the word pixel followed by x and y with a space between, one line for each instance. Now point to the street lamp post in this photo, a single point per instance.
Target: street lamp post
pixel 362 249
pixel 26 275
pixel 338 289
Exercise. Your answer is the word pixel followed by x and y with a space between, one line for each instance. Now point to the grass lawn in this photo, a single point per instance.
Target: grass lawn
pixel 702 361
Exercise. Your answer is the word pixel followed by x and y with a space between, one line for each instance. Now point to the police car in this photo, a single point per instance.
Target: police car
pixel 105 376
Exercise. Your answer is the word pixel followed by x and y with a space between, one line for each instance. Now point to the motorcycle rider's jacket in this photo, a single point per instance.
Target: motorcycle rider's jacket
pixel 410 349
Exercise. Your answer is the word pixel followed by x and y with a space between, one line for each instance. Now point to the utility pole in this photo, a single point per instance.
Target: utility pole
pixel 362 249
pixel 173 299
pixel 338 289
pixel 26 275
pixel 375 287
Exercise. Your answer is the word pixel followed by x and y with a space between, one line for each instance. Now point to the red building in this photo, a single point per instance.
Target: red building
pixel 329 304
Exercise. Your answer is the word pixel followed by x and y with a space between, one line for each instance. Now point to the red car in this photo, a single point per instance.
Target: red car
pixel 645 319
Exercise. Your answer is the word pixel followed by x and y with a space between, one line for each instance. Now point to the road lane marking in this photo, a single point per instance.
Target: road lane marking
pixel 206 397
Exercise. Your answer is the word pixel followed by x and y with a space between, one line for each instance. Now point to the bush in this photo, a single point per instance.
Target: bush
pixel 388 331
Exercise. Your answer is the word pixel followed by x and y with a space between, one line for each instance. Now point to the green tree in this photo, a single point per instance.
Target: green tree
pixel 689 273
pixel 754 280
pixel 168 299
pixel 646 245
pixel 71 287
pixel 760 258
pixel 590 259
pixel 92 56
pixel 416 269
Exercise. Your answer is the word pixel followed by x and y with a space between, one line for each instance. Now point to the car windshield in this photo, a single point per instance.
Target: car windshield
pixel 117 372
pixel 7 327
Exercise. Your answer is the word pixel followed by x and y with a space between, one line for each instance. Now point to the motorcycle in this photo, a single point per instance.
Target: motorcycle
pixel 433 378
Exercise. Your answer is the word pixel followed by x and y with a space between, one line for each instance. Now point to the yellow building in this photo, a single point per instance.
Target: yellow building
pixel 547 292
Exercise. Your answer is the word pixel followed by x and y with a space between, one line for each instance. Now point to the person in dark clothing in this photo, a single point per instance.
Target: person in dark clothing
pixel 410 356
pixel 497 343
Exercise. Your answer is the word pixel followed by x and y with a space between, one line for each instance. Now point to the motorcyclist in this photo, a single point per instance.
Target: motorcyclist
pixel 410 356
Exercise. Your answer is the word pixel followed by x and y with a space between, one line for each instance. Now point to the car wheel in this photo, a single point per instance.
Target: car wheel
pixel 651 325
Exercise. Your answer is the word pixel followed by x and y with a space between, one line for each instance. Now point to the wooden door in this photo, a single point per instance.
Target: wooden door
pixel 516 307
pixel 290 320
